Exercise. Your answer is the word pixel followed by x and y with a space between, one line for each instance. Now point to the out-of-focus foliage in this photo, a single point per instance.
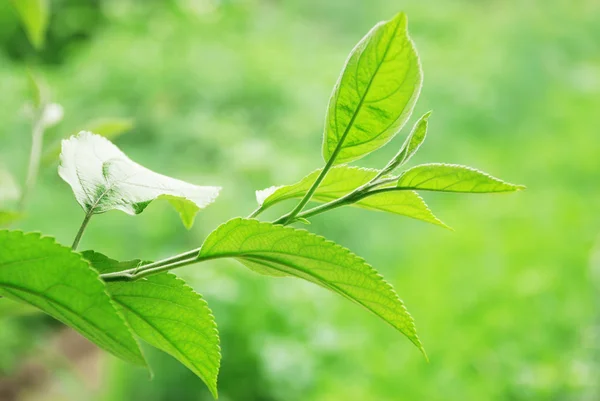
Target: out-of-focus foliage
pixel 235 92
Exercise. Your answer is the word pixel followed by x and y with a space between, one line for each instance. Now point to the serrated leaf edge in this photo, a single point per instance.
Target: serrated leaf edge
pixel 372 271
pixel 52 240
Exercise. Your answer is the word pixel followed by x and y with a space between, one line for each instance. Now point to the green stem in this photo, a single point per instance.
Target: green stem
pixel 159 266
pixel 287 218
pixel 35 154
pixel 84 224
pixel 256 212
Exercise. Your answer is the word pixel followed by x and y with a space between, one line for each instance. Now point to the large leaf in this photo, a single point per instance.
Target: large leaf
pixel 340 181
pixel 375 93
pixel 278 250
pixel 38 271
pixel 34 15
pixel 104 178
pixel 453 178
pixel 166 313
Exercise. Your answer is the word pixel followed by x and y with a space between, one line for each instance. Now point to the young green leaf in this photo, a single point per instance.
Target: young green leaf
pixel 104 178
pixel 34 15
pixel 404 203
pixel 166 313
pixel 38 271
pixel 411 144
pixel 278 250
pixel 452 178
pixel 342 180
pixel 375 93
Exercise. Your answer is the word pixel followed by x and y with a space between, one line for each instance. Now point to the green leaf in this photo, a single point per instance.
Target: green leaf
pixel 34 15
pixel 278 250
pixel 375 93
pixel 453 178
pixel 340 181
pixel 38 271
pixel 104 178
pixel 187 209
pixel 110 128
pixel 166 313
pixel 412 143
pixel 401 202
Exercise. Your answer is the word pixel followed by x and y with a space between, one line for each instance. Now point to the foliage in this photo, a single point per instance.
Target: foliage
pixel 371 102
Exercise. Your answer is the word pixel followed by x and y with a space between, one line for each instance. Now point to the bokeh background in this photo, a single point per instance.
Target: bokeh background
pixel 233 93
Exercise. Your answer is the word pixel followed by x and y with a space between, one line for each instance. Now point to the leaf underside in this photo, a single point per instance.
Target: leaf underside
pixel 38 271
pixel 104 178
pixel 166 313
pixel 375 93
pixel 285 251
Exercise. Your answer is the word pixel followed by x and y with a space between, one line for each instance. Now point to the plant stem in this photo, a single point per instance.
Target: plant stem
pixel 352 197
pixel 256 212
pixel 33 168
pixel 84 224
pixel 287 218
pixel 155 268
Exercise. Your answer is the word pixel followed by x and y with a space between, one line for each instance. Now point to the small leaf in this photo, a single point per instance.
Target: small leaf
pixel 38 271
pixel 187 209
pixel 453 178
pixel 104 178
pixel 340 181
pixel 110 128
pixel 166 313
pixel 411 144
pixel 375 93
pixel 404 203
pixel 34 15
pixel 278 250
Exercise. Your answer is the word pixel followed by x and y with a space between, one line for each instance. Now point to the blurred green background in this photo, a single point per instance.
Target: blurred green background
pixel 233 93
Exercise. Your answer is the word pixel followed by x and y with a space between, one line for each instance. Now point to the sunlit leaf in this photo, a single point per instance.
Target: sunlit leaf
pixel 404 203
pixel 279 250
pixel 104 178
pixel 452 178
pixel 375 93
pixel 340 181
pixel 38 271
pixel 34 15
pixel 166 313
pixel 412 143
